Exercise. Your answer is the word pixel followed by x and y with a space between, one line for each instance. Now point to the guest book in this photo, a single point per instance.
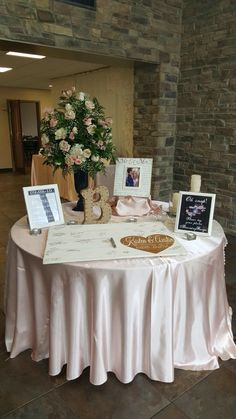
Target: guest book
pixel 80 243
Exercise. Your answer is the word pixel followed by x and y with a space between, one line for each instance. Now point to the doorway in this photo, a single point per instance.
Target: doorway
pixel 24 123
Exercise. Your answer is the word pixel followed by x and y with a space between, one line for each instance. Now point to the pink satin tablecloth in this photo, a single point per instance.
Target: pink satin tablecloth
pixel 124 316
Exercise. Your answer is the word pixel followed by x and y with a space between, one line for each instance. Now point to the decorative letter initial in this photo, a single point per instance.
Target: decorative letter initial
pixel 89 203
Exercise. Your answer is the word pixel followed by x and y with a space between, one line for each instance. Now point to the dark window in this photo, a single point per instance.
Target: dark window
pixel 84 3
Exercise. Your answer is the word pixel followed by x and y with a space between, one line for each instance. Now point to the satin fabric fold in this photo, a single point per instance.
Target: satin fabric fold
pixel 132 206
pixel 125 316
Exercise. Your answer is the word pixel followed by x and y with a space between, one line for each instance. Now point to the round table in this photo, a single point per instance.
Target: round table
pixel 127 316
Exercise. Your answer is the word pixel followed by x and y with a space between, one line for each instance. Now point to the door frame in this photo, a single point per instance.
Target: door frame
pixel 15 131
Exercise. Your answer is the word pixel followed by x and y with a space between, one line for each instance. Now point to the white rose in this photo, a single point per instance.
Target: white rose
pixel 91 129
pixel 81 95
pixel 64 145
pixel 89 104
pixel 75 130
pixel 60 134
pixel 68 107
pixel 70 114
pixel 87 153
pixel 44 140
pixel 76 151
pixel 95 158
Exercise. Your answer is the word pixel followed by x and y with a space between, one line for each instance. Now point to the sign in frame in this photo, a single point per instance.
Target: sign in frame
pixel 195 213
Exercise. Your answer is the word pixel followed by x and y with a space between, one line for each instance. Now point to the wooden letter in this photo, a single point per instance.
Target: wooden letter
pixel 89 203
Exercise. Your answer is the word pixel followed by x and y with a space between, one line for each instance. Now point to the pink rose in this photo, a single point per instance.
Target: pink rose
pixel 108 121
pixel 53 122
pixel 77 161
pixel 71 135
pixel 101 122
pixel 87 121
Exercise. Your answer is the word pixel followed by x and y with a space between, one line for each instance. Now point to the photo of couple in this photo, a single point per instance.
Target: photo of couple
pixel 132 176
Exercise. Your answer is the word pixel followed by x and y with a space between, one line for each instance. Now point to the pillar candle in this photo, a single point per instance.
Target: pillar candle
pixel 175 199
pixel 195 183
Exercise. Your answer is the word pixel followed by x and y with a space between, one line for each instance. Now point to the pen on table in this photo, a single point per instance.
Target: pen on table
pixel 112 242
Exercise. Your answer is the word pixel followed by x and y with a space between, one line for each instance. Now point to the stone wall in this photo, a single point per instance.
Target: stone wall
pixel 206 115
pixel 144 31
pixel 155 121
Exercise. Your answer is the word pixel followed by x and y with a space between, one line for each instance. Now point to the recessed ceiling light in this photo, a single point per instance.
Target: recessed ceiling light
pixel 4 69
pixel 23 54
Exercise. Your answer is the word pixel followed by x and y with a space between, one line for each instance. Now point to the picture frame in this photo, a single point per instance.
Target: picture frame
pixel 43 206
pixel 133 177
pixel 195 213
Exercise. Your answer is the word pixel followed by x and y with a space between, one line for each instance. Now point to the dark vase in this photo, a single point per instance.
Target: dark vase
pixel 81 182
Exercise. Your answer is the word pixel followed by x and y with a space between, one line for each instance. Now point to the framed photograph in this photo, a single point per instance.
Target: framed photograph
pixel 133 177
pixel 195 213
pixel 43 206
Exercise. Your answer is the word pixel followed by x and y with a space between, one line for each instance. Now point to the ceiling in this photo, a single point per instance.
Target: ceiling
pixel 31 73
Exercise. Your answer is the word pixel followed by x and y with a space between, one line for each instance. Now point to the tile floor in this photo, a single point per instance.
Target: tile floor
pixel 28 392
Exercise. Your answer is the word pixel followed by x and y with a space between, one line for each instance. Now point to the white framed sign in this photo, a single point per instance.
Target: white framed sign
pixel 195 212
pixel 43 206
pixel 133 177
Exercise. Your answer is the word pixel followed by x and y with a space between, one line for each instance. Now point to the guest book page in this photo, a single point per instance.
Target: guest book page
pixel 80 243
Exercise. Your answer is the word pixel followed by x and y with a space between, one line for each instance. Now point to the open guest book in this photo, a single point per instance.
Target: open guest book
pixel 80 243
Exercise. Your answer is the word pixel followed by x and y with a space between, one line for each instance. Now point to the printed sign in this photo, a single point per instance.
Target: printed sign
pixel 195 212
pixel 43 206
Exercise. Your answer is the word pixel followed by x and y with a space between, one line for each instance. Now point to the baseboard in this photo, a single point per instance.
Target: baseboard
pixel 6 170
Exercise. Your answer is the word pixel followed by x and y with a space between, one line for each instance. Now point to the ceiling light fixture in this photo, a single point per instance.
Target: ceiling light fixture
pixel 4 69
pixel 23 54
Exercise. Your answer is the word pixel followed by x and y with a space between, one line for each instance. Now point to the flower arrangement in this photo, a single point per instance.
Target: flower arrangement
pixel 77 135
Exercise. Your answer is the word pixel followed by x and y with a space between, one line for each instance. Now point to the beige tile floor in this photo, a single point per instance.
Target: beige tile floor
pixel 28 392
